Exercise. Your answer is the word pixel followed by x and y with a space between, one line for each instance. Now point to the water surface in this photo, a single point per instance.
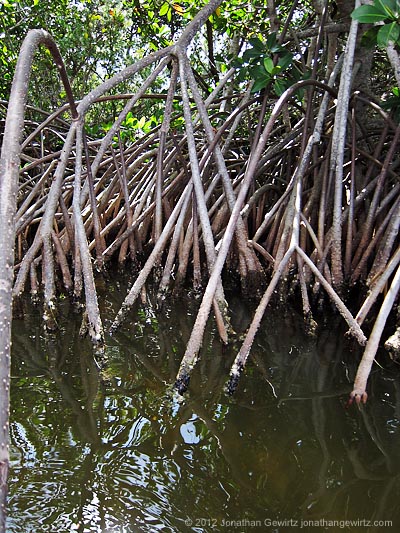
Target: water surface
pixel 122 455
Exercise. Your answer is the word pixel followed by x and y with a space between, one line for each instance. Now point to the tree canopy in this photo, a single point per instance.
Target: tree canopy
pixel 98 38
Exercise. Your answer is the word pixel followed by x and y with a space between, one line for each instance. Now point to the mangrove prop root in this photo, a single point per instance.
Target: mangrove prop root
pixel 202 195
pixel 364 368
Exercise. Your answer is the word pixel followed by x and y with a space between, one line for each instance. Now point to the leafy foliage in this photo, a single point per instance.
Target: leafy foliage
pixel 96 39
pixel 99 37
pixel 385 15
pixel 268 63
pixel 386 11
pixel 393 104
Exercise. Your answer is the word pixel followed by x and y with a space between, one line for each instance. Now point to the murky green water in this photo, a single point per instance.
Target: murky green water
pixel 122 456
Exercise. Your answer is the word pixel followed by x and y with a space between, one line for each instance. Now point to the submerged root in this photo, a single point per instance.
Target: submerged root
pixel 182 383
pixel 50 317
pixel 233 381
pixel 190 201
pixel 311 325
pixel 253 283
pixel 359 396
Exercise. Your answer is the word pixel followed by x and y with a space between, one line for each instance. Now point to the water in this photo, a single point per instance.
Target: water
pixel 125 456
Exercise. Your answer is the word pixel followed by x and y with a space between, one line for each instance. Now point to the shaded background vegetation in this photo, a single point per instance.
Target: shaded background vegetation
pixel 98 38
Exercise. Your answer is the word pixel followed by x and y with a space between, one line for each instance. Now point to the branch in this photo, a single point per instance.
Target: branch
pixel 9 174
pixel 359 393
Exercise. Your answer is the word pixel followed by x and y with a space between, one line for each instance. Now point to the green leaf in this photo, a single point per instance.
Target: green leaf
pixel 250 53
pixel 268 64
pixel 163 9
pixel 242 74
pixel 237 63
pixel 277 48
pixel 279 87
pixel 369 14
pixel 392 104
pixel 260 83
pixel 257 71
pixel 388 33
pixel 369 37
pixel 271 40
pixel 285 61
pixel 256 43
pixel 391 7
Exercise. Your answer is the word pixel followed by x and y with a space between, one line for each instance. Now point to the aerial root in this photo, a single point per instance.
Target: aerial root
pixel 197 201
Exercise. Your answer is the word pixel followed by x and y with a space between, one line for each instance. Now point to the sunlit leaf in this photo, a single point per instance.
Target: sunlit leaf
pixel 276 70
pixel 268 64
pixel 164 9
